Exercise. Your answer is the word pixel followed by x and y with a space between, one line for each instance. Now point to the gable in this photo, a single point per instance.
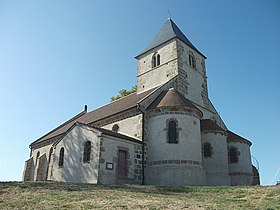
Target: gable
pixel 80 131
pixel 118 106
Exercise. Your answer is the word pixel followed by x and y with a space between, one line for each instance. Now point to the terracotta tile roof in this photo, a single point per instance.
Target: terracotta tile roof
pixel 209 125
pixel 172 98
pixel 107 110
pixel 232 137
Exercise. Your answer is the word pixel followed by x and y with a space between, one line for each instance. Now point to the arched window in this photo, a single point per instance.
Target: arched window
pixel 172 132
pixel 158 59
pixel 87 150
pixel 115 128
pixel 207 150
pixel 61 157
pixel 154 61
pixel 50 154
pixel 233 155
pixel 37 157
pixel 191 60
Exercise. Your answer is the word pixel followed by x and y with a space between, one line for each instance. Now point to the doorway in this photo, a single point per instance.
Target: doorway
pixel 122 163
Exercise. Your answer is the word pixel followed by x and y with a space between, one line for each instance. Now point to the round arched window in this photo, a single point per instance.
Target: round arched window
pixel 115 128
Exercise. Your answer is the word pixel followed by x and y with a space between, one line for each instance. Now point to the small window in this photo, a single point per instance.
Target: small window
pixel 172 132
pixel 115 128
pixel 50 154
pixel 207 150
pixel 191 60
pixel 158 59
pixel 37 157
pixel 87 151
pixel 61 157
pixel 155 60
pixel 233 155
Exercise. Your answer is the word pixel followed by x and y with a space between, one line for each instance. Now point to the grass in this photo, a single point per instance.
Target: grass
pixel 53 195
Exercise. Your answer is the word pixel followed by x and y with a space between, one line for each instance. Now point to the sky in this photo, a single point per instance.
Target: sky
pixel 57 56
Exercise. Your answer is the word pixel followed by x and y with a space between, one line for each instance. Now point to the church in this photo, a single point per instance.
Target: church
pixel 166 133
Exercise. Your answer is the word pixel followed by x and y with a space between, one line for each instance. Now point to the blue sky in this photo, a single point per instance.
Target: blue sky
pixel 57 56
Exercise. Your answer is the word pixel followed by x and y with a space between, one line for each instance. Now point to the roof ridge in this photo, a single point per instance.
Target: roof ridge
pixel 124 97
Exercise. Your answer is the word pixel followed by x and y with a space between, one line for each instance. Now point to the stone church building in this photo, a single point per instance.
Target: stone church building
pixel 166 133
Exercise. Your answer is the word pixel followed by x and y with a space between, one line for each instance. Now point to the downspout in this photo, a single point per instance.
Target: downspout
pixel 143 145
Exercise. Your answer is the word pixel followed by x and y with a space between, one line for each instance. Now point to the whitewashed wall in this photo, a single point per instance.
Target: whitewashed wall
pixel 109 155
pixel 44 152
pixel 241 173
pixel 174 164
pixel 130 126
pixel 216 166
pixel 74 170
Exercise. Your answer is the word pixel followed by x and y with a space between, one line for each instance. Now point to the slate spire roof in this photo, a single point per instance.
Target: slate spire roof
pixel 168 31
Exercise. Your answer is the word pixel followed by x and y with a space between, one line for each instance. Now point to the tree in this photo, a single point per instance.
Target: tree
pixel 123 93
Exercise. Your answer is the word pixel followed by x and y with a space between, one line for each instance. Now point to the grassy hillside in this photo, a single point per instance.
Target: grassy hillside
pixel 87 196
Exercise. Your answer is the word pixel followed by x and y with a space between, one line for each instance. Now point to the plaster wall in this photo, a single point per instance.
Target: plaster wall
pixel 110 147
pixel 131 126
pixel 44 150
pixel 216 166
pixel 73 169
pixel 175 175
pixel 42 166
pixel 174 164
pixel 29 169
pixel 241 173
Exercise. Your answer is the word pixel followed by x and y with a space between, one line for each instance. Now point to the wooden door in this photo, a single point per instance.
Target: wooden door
pixel 122 163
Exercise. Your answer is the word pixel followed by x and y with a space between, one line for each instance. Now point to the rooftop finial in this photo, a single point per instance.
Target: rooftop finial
pixel 169 15
pixel 85 108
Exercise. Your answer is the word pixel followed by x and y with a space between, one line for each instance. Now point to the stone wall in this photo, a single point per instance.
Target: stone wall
pixel 28 173
pixel 108 166
pixel 192 80
pixel 74 169
pixel 41 149
pixel 174 163
pixel 241 173
pixel 149 77
pixel 41 170
pixel 129 124
pixel 216 166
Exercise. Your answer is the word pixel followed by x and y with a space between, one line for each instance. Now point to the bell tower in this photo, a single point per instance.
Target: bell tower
pixel 170 54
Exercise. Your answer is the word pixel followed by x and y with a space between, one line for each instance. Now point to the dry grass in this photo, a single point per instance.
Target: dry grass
pixel 87 196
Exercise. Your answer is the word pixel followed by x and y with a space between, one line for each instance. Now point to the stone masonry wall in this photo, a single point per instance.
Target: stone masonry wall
pixel 149 77
pixel 129 122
